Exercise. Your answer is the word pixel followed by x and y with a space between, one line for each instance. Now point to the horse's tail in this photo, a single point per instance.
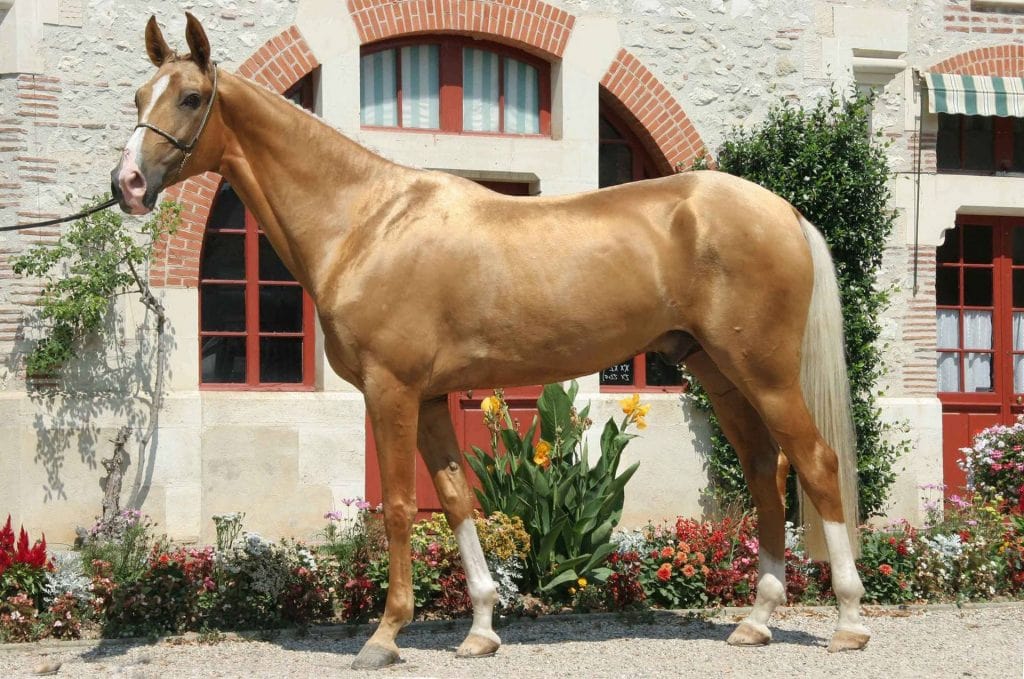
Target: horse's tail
pixel 826 388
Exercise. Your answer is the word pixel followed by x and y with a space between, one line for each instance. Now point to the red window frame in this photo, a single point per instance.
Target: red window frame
pixel 643 167
pixel 450 77
pixel 302 93
pixel 1002 308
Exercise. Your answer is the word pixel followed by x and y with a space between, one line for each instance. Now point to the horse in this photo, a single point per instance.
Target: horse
pixel 427 283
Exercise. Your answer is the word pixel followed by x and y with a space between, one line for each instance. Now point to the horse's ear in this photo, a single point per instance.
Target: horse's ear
pixel 156 46
pixel 197 42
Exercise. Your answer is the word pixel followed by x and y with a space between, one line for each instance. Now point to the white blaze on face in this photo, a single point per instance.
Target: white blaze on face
pixel 130 177
pixel 133 149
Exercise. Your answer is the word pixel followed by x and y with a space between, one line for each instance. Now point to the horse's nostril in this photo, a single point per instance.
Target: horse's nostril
pixel 135 181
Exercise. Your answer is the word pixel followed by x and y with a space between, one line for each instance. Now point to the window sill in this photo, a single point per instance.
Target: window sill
pixel 453 133
pixel 233 386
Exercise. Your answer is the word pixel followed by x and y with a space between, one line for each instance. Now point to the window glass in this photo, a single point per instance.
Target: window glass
pixel 480 90
pixel 522 111
pixel 378 100
pixel 978 143
pixel 421 85
pixel 947 148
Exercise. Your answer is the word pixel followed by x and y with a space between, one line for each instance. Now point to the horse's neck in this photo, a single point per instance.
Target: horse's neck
pixel 295 174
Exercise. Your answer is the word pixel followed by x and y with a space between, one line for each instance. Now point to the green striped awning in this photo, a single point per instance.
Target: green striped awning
pixel 975 95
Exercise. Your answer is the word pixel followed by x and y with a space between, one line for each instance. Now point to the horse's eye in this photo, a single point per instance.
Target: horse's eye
pixel 191 101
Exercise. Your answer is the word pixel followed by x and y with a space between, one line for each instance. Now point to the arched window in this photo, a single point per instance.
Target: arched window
pixel 256 328
pixel 454 84
pixel 622 158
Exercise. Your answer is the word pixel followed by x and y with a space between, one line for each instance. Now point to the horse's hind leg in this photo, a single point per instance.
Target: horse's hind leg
pixel 784 412
pixel 759 458
pixel 440 451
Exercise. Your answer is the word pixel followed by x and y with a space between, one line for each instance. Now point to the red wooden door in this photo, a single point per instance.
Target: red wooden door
pixel 979 294
pixel 466 417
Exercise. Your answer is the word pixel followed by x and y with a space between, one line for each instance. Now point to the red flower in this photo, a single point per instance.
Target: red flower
pixel 885 569
pixel 7 537
pixel 665 572
pixel 965 536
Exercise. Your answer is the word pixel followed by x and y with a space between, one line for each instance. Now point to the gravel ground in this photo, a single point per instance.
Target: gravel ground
pixel 984 641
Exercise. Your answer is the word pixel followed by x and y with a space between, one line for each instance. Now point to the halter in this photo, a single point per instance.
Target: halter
pixel 186 149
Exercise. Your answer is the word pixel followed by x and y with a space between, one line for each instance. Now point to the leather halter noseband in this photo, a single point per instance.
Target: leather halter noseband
pixel 186 149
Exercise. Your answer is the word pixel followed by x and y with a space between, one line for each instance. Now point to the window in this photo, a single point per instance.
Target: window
pixel 979 300
pixel 456 85
pixel 256 327
pixel 621 159
pixel 980 143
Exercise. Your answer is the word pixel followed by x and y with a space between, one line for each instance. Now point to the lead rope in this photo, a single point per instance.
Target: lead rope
pixel 60 220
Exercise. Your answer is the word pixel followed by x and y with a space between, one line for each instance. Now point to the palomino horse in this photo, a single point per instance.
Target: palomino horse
pixel 426 283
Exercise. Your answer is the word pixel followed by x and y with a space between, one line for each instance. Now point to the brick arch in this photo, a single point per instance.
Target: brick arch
pixel 999 60
pixel 664 127
pixel 278 65
pixel 531 25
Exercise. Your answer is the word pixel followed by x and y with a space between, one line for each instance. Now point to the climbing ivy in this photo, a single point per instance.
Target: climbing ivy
pixel 823 160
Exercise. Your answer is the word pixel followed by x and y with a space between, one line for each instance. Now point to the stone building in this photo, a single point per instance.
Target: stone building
pixel 537 97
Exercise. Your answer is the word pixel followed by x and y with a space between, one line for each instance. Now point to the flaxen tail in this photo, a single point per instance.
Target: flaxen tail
pixel 826 388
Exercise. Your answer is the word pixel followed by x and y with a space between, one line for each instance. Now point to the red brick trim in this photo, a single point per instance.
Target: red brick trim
pixel 999 60
pixel 279 64
pixel 531 25
pixel 671 137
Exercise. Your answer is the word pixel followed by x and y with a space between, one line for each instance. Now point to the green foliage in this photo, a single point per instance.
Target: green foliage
pixel 568 508
pixel 823 161
pixel 94 260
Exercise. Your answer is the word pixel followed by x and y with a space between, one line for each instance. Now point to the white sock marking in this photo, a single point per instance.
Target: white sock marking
pixel 481 587
pixel 845 581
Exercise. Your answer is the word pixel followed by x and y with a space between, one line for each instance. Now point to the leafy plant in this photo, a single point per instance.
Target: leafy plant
pixel 995 464
pixel 568 507
pixel 823 161
pixel 94 260
pixel 124 543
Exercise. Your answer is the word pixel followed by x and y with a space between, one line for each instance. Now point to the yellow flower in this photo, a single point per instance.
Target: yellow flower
pixel 572 590
pixel 542 454
pixel 582 582
pixel 491 405
pixel 630 403
pixel 635 411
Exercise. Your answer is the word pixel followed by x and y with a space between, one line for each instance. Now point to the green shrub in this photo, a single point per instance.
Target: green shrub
pixel 568 507
pixel 822 160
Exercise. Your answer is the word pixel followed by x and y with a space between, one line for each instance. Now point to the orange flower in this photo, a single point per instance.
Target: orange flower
pixel 667 552
pixel 665 572
pixel 689 570
pixel 885 569
pixel 700 557
pixel 704 570
pixel 542 454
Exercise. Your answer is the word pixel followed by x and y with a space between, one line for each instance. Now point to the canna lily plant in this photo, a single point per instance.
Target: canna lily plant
pixel 568 505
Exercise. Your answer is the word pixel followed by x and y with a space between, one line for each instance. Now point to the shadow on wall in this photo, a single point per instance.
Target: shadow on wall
pixel 111 383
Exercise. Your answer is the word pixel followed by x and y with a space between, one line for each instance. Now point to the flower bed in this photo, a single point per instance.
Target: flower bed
pixel 972 551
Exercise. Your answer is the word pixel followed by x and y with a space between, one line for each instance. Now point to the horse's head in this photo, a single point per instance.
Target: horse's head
pixel 178 121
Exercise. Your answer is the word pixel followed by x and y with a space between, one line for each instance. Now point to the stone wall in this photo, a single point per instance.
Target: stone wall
pixel 698 68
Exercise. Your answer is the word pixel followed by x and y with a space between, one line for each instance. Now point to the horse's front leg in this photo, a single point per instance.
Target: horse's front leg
pixel 394 411
pixel 440 451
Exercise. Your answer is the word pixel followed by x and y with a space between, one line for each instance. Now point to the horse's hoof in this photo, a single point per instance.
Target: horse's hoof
pixel 750 634
pixel 373 657
pixel 848 640
pixel 478 646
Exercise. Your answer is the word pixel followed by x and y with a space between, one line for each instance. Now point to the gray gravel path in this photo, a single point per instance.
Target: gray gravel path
pixel 986 641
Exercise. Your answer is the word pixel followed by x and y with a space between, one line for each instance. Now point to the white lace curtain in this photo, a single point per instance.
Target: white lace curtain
pixel 977 335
